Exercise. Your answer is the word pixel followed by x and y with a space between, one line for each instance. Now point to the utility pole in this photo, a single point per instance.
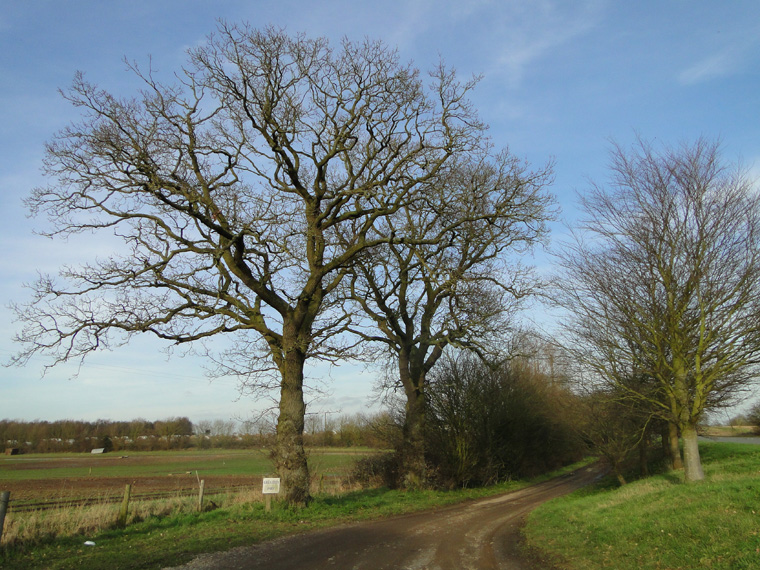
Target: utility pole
pixel 325 413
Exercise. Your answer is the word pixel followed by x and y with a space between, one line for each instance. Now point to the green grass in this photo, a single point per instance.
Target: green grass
pixel 161 463
pixel 660 522
pixel 71 465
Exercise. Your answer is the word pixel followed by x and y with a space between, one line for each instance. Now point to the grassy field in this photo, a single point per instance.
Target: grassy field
pixel 660 522
pixel 62 476
pixel 136 464
pixel 159 463
pixel 729 431
pixel 55 496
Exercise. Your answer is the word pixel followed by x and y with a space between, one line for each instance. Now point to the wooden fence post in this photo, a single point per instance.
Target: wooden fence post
pixel 5 498
pixel 124 510
pixel 200 495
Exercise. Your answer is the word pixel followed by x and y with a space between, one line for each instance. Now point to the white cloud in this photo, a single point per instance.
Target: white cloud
pixel 413 21
pixel 530 31
pixel 726 61
pixel 716 65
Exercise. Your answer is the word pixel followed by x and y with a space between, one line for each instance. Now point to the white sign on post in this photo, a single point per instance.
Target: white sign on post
pixel 271 486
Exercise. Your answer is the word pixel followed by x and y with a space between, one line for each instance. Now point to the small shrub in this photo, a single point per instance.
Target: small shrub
pixel 487 425
pixel 380 470
pixel 753 417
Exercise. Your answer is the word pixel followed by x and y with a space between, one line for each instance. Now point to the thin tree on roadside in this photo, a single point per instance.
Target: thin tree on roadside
pixel 662 281
pixel 457 280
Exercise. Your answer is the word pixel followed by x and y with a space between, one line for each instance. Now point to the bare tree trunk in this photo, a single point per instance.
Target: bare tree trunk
pixel 675 449
pixel 667 451
pixel 290 455
pixel 682 421
pixel 692 462
pixel 617 469
pixel 413 467
pixel 643 456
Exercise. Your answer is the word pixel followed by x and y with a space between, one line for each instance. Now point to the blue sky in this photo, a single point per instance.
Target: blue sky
pixel 560 79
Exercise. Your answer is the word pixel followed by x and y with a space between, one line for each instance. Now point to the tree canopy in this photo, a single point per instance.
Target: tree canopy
pixel 662 282
pixel 457 282
pixel 241 191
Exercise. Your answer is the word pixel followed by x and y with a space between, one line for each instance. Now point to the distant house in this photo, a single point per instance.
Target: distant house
pixel 99 450
pixel 12 451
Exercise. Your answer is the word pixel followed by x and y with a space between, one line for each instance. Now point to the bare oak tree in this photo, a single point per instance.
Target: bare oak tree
pixel 456 280
pixel 663 282
pixel 230 189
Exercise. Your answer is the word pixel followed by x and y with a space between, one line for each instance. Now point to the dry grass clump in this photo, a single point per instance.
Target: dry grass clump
pixel 32 527
pixel 40 525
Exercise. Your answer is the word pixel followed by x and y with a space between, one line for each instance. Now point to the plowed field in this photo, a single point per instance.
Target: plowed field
pixel 57 478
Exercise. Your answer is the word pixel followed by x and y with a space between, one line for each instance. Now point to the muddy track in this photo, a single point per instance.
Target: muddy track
pixel 478 535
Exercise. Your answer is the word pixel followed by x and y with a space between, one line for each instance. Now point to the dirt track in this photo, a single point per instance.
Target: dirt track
pixel 478 535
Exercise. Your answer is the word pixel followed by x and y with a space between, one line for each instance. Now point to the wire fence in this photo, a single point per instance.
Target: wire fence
pixel 326 483
pixel 45 505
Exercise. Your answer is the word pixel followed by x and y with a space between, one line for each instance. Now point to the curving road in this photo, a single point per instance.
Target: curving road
pixel 478 535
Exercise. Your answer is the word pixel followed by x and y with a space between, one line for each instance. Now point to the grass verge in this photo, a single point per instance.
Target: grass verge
pixel 659 522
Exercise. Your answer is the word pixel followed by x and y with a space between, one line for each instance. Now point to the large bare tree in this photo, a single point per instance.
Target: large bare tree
pixel 456 280
pixel 229 188
pixel 662 282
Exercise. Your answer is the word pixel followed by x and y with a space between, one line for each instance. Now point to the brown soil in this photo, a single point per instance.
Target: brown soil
pixel 55 490
pixel 103 487
pixel 478 535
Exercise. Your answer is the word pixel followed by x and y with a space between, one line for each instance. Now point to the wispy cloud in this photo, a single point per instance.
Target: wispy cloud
pixel 726 61
pixel 531 31
pixel 501 37
pixel 716 65
pixel 413 21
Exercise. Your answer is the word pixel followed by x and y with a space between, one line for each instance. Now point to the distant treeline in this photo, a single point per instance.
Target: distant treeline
pixel 180 433
pixel 76 435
